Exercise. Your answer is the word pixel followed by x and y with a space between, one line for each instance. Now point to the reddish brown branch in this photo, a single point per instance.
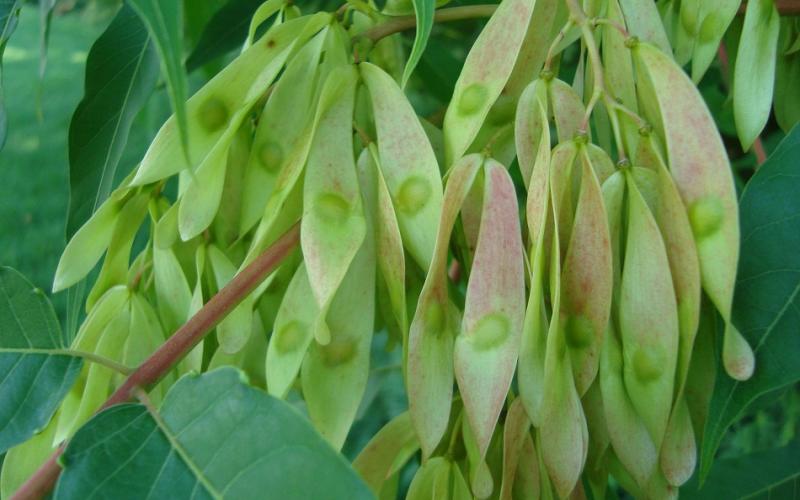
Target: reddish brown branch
pixel 178 345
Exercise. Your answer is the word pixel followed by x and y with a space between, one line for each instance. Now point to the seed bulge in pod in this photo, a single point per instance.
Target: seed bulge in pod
pixel 332 208
pixel 270 155
pixel 648 364
pixel 490 331
pixel 338 352
pixel 213 114
pixel 579 331
pixel 706 216
pixel 472 99
pixel 413 194
pixel 290 337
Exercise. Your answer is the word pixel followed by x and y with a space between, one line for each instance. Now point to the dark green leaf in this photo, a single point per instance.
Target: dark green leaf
pixel 45 16
pixel 9 15
pixel 423 11
pixel 225 32
pixel 36 371
pixel 121 72
pixel 215 437
pixel 768 474
pixel 438 71
pixel 164 20
pixel 766 306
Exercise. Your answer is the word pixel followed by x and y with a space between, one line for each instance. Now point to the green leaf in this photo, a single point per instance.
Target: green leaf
pixel 35 369
pixel 423 11
pixel 766 306
pixel 226 31
pixel 767 474
pixel 121 72
pixel 214 436
pixel 164 20
pixel 9 15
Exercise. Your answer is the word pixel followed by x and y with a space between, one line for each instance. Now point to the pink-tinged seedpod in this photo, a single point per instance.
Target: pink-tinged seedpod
pixel 527 483
pixel 333 226
pixel 515 432
pixel 486 351
pixel 530 374
pixel 433 329
pixel 547 18
pixel 224 101
pixel 702 173
pixel 567 108
pixel 586 279
pixel 648 317
pixel 408 164
pixel 387 452
pixel 617 64
pixel 531 128
pixel 431 480
pixel 485 73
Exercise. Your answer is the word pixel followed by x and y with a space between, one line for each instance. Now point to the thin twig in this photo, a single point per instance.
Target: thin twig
pixel 403 23
pixel 174 349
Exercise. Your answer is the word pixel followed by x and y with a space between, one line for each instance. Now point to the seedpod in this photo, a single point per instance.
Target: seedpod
pixel 568 110
pixel 387 452
pixel 433 329
pixel 531 127
pixel 234 330
pixel 516 437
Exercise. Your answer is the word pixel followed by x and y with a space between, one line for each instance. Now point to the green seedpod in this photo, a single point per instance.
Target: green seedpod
pixel 485 72
pixel 193 362
pixel 87 245
pixel 388 240
pixel 547 18
pixel 627 432
pixel 714 19
pixel 117 260
pixel 173 294
pixel 702 370
pixel 568 110
pixel 291 335
pixel 754 72
pixel 480 474
pixel 678 455
pixel 670 215
pixel 600 162
pixel 224 101
pixel 642 20
pixel 250 359
pixel 408 164
pixel 334 376
pixel 487 349
pixel 530 369
pixel 435 323
pixel 333 226
pixel 686 28
pixel 700 167
pixel 146 336
pixel 515 437
pixel 387 452
pixel 531 127
pixel 264 12
pixel 23 460
pixel 786 105
pixel 166 228
pixel 648 317
pixel 596 471
pixel 565 172
pixel 617 64
pixel 429 481
pixel 94 383
pixel 225 226
pixel 587 280
pixel 470 223
pixel 613 199
pixel 234 330
pixel 280 127
pixel 527 483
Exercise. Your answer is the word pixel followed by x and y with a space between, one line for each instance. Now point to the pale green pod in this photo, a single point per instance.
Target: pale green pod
pixel 484 74
pixel 334 376
pixel 87 245
pixel 648 318
pixel 424 485
pixel 531 127
pixel 487 349
pixel 530 376
pixel 291 334
pixel 617 64
pixel 280 127
pixel 226 222
pixel 235 329
pixel 714 19
pixel 471 210
pixel 670 215
pixel 116 263
pixel 264 12
pixel 563 189
pixel 433 329
pixel 678 455
pixel 387 452
pixel 460 488
pixel 333 226
pixel 627 432
pixel 754 73
pixel 596 471
pixel 515 431
pixel 408 164
pixel 166 228
pixel 686 26
pixel 23 460
pixel 193 361
pixel 173 293
pixel 587 280
pixel 567 109
pixel 146 336
pixel 643 21
pixel 250 359
pixel 601 163
pixel 104 310
pixel 613 198
pixel 388 240
pixel 547 18
pixel 211 110
pixel 481 481
pixel 700 167
pixel 527 483
pixel 564 434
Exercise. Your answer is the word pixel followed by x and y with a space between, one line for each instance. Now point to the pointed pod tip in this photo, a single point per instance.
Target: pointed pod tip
pixel 737 355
